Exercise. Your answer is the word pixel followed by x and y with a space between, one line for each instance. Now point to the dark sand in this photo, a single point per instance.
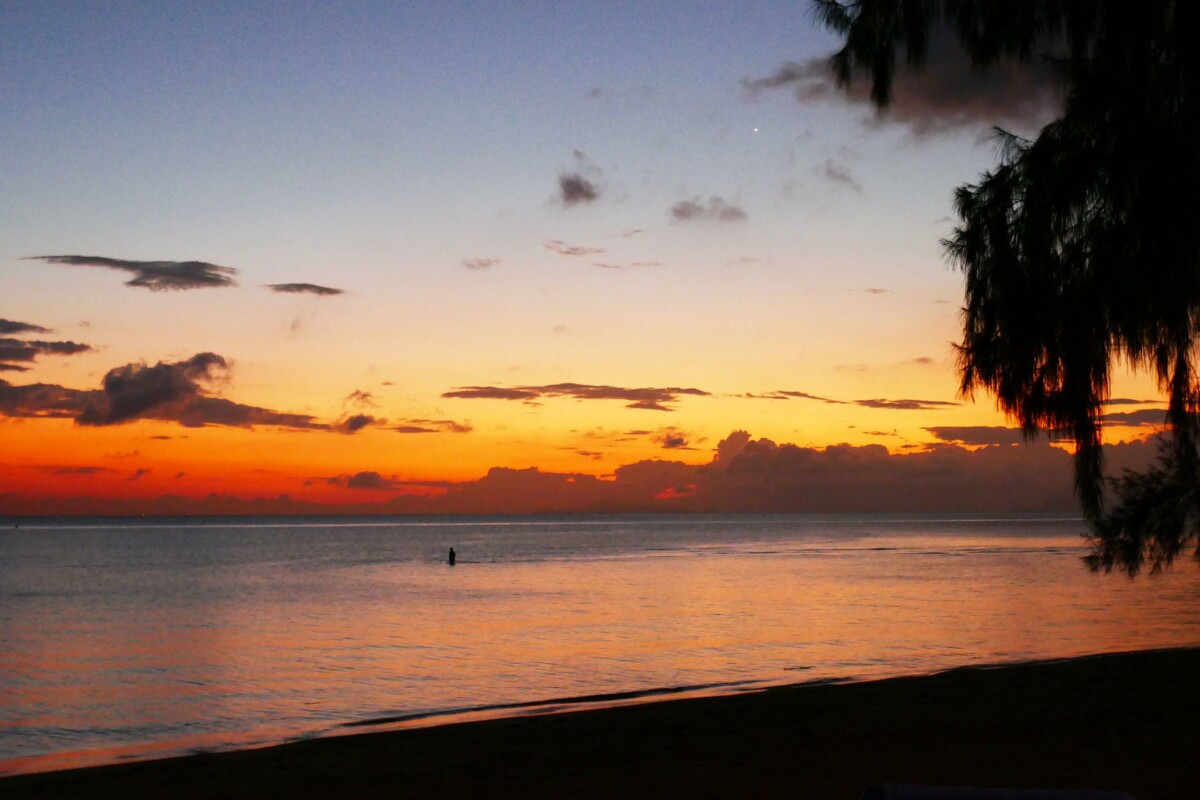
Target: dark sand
pixel 1128 721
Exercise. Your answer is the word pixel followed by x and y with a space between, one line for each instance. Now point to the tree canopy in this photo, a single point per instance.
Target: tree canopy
pixel 1081 249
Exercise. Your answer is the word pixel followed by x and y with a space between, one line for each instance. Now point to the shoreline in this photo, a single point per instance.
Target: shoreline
pixel 1122 721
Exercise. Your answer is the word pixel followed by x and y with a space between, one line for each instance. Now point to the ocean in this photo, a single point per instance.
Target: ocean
pixel 135 638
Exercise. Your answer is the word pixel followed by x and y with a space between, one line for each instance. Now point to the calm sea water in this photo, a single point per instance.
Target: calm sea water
pixel 131 638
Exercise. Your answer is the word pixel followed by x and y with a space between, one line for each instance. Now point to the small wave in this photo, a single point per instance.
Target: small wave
pixel 541 706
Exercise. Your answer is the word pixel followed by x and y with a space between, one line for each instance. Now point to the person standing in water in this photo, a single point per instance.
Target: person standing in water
pixel 452 557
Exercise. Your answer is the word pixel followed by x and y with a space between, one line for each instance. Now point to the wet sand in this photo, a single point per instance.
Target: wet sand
pixel 1127 721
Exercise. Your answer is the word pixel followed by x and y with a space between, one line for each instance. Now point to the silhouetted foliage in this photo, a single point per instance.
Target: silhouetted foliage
pixel 1082 248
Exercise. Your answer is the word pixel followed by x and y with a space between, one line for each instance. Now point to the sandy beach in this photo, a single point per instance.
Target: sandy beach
pixel 1123 721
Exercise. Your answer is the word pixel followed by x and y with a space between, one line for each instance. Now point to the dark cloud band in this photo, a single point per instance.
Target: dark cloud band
pixel 652 399
pixel 10 327
pixel 304 288
pixel 156 276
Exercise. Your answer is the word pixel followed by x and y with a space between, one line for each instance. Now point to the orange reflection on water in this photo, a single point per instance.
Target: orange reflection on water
pixel 259 652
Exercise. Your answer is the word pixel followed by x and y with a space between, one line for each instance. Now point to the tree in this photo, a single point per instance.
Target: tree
pixel 1082 248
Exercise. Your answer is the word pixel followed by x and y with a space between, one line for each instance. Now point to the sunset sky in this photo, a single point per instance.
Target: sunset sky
pixel 304 256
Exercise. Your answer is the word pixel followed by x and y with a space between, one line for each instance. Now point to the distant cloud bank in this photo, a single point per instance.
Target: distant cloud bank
pixel 744 475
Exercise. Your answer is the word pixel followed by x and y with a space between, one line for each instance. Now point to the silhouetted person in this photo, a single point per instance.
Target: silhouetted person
pixel 452 557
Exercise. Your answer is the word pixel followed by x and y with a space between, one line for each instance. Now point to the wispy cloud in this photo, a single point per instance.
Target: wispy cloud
pixel 633 265
pixel 156 276
pixel 562 248
pixel 361 399
pixel 905 405
pixel 67 471
pixel 716 209
pixel 895 405
pixel 480 263
pixel 432 426
pixel 807 396
pixel 836 173
pixel 652 399
pixel 304 288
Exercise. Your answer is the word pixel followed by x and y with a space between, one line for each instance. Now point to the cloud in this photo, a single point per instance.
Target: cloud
pixel 976 435
pixel 303 288
pixel 1148 417
pixel 634 265
pixel 198 412
pixel 9 327
pixel 480 263
pixel 491 393
pixel 25 351
pixel 838 174
pixel 745 475
pixel 368 480
pixel 905 405
pixel 134 389
pixel 355 423
pixel 562 248
pixel 85 471
pixel 642 398
pixel 156 276
pixel 573 188
pixel 716 209
pixel 40 400
pixel 673 439
pixel 946 94
pixel 895 405
pixel 432 426
pixel 169 391
pixel 361 399
pixel 807 396
pixel 1127 401
pixel 579 186
pixel 748 475
pixel 137 474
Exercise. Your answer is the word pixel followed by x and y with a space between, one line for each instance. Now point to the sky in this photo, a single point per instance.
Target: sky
pixel 492 257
